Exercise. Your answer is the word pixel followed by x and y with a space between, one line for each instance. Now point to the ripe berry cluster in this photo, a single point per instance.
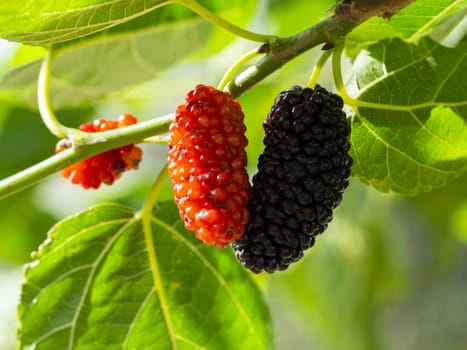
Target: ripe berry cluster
pixel 207 162
pixel 301 176
pixel 108 166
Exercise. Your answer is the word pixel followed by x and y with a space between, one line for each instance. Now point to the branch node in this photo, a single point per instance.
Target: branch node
pixel 327 46
pixel 265 48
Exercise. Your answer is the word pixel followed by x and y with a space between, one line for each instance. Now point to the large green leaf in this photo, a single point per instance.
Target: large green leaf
pixel 123 60
pixel 409 133
pixel 411 24
pixel 98 282
pixel 89 68
pixel 42 22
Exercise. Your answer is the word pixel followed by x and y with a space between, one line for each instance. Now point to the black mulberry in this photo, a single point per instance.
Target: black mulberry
pixel 302 173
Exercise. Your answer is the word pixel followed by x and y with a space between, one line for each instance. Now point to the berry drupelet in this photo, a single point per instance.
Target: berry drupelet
pixel 206 164
pixel 104 167
pixel 302 173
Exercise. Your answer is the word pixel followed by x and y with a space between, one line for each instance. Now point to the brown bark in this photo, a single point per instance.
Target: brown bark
pixel 358 11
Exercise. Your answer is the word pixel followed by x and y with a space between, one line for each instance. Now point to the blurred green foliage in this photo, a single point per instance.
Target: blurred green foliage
pixel 386 275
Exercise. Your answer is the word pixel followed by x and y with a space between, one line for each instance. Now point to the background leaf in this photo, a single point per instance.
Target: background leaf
pixel 44 22
pixel 410 133
pixel 23 226
pixel 93 283
pixel 137 51
pixel 382 277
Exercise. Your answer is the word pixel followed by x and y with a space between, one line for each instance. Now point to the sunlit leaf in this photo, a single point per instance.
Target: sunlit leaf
pixel 45 22
pixel 411 23
pixel 409 133
pixel 98 283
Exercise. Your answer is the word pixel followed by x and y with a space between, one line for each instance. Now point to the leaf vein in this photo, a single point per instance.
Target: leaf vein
pixel 451 73
pixel 83 232
pixel 416 35
pixel 399 69
pixel 388 145
pixel 74 31
pixel 51 332
pixel 191 343
pixel 91 275
pixel 156 275
pixel 432 134
pixel 214 272
pixel 137 314
pixel 62 276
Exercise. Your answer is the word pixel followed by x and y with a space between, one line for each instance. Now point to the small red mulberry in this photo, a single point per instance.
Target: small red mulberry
pixel 105 167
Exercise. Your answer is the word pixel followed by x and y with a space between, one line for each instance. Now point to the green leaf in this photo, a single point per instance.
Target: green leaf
pixel 409 133
pixel 90 68
pixel 123 60
pixel 17 151
pixel 44 22
pixel 97 283
pixel 411 23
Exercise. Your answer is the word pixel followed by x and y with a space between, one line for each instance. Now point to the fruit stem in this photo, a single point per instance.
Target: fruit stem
pixel 236 66
pixel 318 67
pixel 85 145
pixel 43 98
pixel 215 19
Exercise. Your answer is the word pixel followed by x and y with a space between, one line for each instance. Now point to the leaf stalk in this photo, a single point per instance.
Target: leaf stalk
pixel 196 7
pixel 236 66
pixel 43 98
pixel 318 68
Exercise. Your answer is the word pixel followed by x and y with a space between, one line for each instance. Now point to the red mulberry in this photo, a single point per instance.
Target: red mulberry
pixel 108 166
pixel 207 162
